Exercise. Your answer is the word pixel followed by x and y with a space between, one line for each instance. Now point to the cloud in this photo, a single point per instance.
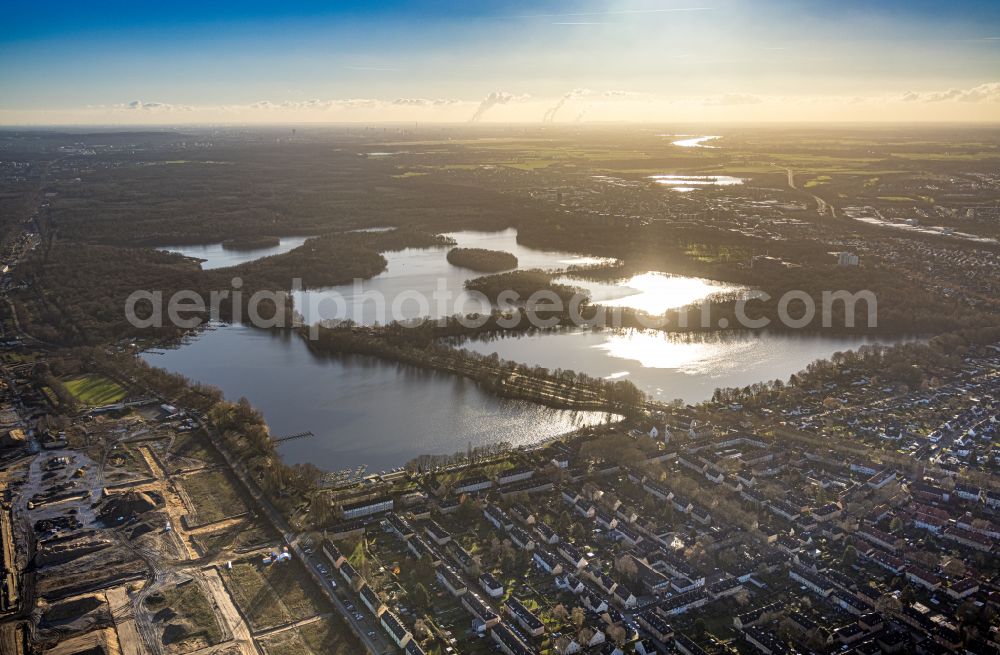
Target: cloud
pixel 493 99
pixel 342 103
pixel 732 99
pixel 356 103
pixel 139 105
pixel 424 102
pixel 313 105
pixel 989 92
pixel 975 102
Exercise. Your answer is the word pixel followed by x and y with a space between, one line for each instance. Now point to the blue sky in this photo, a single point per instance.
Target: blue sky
pixel 190 61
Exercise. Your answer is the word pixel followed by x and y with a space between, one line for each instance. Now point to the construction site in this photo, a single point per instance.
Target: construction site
pixel 126 533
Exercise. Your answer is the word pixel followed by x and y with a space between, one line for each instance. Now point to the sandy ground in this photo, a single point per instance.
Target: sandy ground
pixel 128 634
pixel 163 556
pixel 228 613
pixel 97 639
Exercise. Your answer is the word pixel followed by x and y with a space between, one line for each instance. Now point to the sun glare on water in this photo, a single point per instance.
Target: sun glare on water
pixel 658 292
pixel 654 349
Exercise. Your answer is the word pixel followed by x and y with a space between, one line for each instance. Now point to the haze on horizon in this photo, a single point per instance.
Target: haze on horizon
pixel 125 63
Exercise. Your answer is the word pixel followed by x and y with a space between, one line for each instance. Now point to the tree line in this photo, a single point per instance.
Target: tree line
pixel 559 388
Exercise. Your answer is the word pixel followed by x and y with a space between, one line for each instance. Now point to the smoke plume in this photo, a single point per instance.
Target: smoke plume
pixel 490 101
pixel 576 94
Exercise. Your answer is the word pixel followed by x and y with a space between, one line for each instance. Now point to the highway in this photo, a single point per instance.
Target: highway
pixel 822 206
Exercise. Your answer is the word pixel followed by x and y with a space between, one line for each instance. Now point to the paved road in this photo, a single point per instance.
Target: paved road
pixel 376 645
pixel 341 596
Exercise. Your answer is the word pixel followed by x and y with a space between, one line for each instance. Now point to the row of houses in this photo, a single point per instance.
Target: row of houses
pixel 389 620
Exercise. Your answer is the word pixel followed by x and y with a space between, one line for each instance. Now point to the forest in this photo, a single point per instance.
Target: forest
pixel 482 260
pixel 247 189
pixel 251 242
pixel 75 294
pixel 522 283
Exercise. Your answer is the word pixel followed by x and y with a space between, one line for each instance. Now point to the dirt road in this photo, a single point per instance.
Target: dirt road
pixel 226 611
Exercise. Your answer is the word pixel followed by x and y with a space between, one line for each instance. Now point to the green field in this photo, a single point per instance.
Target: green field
pixel 817 181
pixel 94 390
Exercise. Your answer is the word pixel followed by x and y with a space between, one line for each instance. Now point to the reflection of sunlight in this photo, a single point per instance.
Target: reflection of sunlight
pixel 586 261
pixel 697 180
pixel 657 292
pixel 653 349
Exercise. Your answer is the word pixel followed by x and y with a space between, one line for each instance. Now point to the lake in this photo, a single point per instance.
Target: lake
pixel 216 256
pixel 368 411
pixel 684 183
pixel 362 410
pixel 671 365
pixel 652 292
pixel 422 283
pixel 695 142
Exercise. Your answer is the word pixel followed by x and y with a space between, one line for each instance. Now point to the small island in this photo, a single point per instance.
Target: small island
pixel 251 243
pixel 482 260
pixel 523 283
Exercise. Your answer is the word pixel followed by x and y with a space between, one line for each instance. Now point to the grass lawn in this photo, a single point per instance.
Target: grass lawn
pixel 720 625
pixel 191 445
pixel 254 596
pixel 324 637
pixel 288 642
pixel 94 390
pixel 245 534
pixel 214 496
pixel 271 595
pixel 330 637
